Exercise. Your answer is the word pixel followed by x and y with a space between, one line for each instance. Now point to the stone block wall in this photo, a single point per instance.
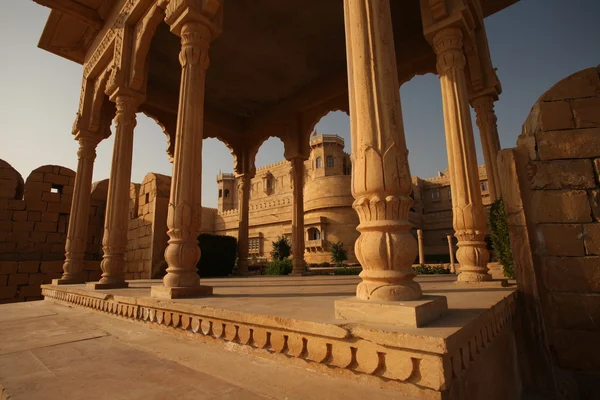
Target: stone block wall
pixel 34 215
pixel 551 189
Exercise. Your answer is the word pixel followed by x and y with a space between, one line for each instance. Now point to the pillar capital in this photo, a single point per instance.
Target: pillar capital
pixel 206 13
pixel 448 46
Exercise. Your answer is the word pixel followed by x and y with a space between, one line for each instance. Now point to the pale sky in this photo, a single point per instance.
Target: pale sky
pixel 533 43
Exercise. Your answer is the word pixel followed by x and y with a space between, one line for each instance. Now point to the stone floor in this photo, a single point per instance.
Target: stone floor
pixel 82 343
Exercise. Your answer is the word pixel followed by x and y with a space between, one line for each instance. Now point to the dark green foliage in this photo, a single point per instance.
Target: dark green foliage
pixel 338 253
pixel 498 224
pixel 430 270
pixel 324 265
pixel 281 248
pixel 279 267
pixel 341 269
pixel 218 254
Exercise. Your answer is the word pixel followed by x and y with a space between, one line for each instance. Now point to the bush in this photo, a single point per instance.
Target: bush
pixel 338 253
pixel 324 265
pixel 341 269
pixel 429 270
pixel 281 248
pixel 218 254
pixel 279 267
pixel 498 224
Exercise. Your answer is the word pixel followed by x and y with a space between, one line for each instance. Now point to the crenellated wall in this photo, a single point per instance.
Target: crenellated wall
pixel 34 215
pixel 551 189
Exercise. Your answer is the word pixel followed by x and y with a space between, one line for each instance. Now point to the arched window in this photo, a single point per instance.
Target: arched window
pixel 226 193
pixel 314 234
pixel 319 162
pixel 220 193
pixel 329 161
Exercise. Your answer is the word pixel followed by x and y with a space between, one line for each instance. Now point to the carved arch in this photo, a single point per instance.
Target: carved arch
pixel 97 100
pixel 142 38
pixel 168 124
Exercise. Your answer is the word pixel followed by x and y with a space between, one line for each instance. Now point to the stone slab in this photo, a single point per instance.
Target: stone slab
pixel 416 313
pixel 66 282
pixel 163 292
pixel 105 286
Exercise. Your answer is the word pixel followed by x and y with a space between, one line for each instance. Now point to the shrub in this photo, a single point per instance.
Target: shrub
pixel 338 253
pixel 281 248
pixel 341 269
pixel 279 267
pixel 429 270
pixel 218 254
pixel 498 224
pixel 324 265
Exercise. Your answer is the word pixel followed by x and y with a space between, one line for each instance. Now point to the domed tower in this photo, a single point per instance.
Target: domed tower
pixel 227 192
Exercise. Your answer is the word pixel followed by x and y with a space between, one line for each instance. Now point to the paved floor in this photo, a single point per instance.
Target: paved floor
pixel 54 352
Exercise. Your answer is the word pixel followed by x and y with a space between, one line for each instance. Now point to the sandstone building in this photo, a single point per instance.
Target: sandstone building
pixel 328 213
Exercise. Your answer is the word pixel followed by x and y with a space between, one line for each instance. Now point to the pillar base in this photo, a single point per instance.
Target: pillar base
pixel 501 282
pixel 414 313
pixel 164 292
pixel 104 286
pixel 62 281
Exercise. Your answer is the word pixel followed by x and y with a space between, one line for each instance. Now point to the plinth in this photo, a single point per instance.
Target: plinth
pixel 414 313
pixel 104 286
pixel 164 292
pixel 67 281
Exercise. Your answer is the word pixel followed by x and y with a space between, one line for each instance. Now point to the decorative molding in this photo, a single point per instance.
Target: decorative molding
pixel 439 9
pixel 355 352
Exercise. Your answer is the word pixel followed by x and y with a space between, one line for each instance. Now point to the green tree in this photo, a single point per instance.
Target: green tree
pixel 338 253
pixel 281 248
pixel 498 224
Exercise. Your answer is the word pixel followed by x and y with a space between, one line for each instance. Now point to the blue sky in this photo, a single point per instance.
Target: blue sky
pixel 533 43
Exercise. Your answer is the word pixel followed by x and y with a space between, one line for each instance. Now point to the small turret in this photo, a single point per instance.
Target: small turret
pixel 227 192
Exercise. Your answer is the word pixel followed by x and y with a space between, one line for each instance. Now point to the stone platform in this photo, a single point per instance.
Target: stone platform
pixel 464 354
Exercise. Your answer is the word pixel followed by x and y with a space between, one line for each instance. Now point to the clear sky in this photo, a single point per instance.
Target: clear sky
pixel 533 43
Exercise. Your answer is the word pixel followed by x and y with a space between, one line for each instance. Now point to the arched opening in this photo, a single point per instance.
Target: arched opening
pixel 319 162
pixel 314 234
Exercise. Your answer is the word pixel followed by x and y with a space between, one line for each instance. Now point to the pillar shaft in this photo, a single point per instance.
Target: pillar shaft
pixel 184 216
pixel 79 216
pixel 298 216
pixel 381 180
pixel 420 240
pixel 244 223
pixel 467 207
pixel 451 251
pixel 490 143
pixel 114 241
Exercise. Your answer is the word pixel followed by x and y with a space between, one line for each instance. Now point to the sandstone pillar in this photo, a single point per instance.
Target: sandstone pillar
pixel 184 216
pixel 79 217
pixel 490 142
pixel 451 250
pixel 420 240
pixel 243 212
pixel 114 241
pixel 298 216
pixel 467 207
pixel 381 180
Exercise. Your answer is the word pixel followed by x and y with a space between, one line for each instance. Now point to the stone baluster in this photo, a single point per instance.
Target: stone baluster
pixel 298 265
pixel 184 215
pixel 244 180
pixel 79 217
pixel 420 240
pixel 381 180
pixel 451 251
pixel 490 142
pixel 114 241
pixel 468 216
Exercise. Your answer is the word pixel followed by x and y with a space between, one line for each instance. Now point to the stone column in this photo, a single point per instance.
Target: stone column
pixel 451 250
pixel 467 207
pixel 184 216
pixel 490 142
pixel 114 241
pixel 243 227
pixel 381 180
pixel 80 206
pixel 420 240
pixel 298 216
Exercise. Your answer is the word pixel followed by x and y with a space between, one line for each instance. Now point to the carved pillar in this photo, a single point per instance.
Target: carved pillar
pixel 184 216
pixel 243 212
pixel 451 250
pixel 114 241
pixel 298 216
pixel 381 181
pixel 79 217
pixel 468 216
pixel 490 142
pixel 420 240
